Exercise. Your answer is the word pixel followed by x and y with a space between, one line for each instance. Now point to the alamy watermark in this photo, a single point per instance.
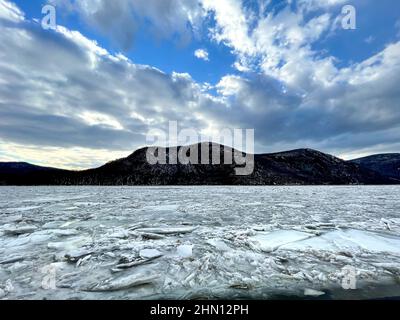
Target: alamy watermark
pixel 237 144
pixel 348 17
pixel 349 280
pixel 49 20
pixel 49 277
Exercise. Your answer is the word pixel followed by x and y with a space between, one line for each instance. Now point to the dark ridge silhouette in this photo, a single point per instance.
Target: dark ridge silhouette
pixel 296 167
pixel 387 165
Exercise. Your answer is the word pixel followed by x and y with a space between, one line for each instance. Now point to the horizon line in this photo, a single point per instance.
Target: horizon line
pixel 195 144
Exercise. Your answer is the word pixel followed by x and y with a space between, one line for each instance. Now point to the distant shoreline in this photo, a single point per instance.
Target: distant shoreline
pixel 291 168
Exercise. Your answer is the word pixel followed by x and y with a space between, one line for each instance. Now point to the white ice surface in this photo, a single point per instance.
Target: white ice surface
pixel 271 241
pixel 149 253
pixel 348 240
pixel 210 242
pixel 185 251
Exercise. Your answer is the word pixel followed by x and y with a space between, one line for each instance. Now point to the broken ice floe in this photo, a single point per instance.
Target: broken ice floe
pixel 19 229
pixel 70 244
pixel 114 250
pixel 271 241
pixel 152 236
pixel 185 251
pixel 348 240
pixel 168 230
pixel 122 283
pixel 218 244
pixel 145 256
pixel 313 293
pixel 12 259
pixel 336 241
pixel 150 253
pixel 76 255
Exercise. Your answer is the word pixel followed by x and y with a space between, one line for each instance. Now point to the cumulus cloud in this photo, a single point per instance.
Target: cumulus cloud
pixel 76 94
pixel 275 43
pixel 122 19
pixel 358 109
pixel 10 12
pixel 300 97
pixel 201 54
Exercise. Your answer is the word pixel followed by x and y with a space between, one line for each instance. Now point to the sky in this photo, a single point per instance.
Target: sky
pixel 89 90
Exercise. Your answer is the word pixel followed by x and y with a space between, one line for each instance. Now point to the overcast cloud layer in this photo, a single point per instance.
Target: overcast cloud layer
pixel 63 94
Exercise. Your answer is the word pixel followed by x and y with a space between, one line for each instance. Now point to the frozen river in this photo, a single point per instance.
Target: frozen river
pixel 199 242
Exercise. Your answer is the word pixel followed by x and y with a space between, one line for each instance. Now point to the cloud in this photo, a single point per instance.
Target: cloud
pixel 312 5
pixel 231 25
pixel 201 54
pixel 10 12
pixel 357 109
pixel 122 19
pixel 369 39
pixel 78 97
pixel 274 42
pixel 75 158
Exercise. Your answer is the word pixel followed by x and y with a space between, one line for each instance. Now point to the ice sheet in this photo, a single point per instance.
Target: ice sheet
pixel 196 242
pixel 350 240
pixel 271 241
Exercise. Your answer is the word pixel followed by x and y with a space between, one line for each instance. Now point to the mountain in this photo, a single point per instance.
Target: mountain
pixel 310 167
pixel 296 167
pixel 21 168
pixel 387 165
pixel 22 173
